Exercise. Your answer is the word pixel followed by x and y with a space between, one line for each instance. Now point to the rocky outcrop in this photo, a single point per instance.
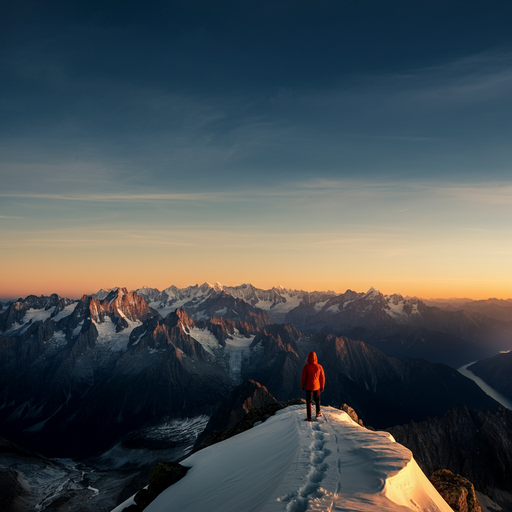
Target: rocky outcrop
pixel 253 418
pixel 475 444
pixel 157 333
pixel 456 490
pixel 353 415
pixel 277 338
pixel 223 328
pixel 244 398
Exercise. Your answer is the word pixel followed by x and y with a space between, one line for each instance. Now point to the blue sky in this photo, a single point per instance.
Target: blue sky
pixel 333 145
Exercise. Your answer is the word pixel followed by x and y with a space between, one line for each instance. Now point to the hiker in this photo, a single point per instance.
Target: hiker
pixel 313 382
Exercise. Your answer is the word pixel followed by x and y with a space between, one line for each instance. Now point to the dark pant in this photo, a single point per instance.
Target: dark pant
pixel 313 395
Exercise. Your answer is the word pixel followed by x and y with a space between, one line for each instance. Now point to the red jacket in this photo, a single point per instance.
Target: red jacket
pixel 313 376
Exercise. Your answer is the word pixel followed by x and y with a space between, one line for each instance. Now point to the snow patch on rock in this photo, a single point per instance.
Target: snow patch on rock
pixel 206 338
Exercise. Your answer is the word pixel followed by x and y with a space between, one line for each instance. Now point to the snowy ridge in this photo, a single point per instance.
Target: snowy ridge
pixel 278 302
pixel 287 464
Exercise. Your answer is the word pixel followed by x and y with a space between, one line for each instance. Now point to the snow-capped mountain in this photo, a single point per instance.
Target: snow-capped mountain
pixel 283 304
pixel 112 365
pixel 33 309
pixel 276 302
pixel 404 327
pixel 290 465
pixel 109 365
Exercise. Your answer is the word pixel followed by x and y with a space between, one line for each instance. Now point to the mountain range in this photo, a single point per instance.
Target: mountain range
pixel 117 360
pixel 79 377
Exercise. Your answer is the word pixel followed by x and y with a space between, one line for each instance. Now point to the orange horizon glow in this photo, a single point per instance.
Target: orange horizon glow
pixel 440 249
pixel 13 289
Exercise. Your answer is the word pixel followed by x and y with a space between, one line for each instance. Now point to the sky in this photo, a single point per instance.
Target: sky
pixel 331 145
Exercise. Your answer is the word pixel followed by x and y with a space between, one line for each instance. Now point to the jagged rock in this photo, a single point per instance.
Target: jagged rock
pixel 352 414
pixel 251 419
pixel 119 305
pixel 247 396
pixel 456 490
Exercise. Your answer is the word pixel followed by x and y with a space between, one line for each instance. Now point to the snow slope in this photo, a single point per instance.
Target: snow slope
pixel 287 464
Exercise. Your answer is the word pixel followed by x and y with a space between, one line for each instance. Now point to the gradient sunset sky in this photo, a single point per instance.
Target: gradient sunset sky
pixel 314 145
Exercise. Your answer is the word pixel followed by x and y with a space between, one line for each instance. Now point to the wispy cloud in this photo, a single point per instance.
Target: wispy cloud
pixel 482 193
pixel 146 197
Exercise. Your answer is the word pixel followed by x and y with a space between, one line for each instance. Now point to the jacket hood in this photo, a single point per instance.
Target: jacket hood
pixel 312 357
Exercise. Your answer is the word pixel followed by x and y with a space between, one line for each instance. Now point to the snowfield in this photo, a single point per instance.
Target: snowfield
pixel 205 338
pixel 287 464
pixel 238 348
pixel 108 337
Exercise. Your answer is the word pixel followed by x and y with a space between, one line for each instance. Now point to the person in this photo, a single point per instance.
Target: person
pixel 313 382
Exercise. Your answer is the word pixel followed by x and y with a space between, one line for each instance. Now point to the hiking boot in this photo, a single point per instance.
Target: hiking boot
pixel 307 419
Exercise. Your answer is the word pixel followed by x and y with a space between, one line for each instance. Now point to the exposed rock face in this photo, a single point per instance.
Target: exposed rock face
pixel 120 305
pixel 252 418
pixel 456 490
pixel 353 415
pixel 476 444
pixel 497 372
pixel 249 395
